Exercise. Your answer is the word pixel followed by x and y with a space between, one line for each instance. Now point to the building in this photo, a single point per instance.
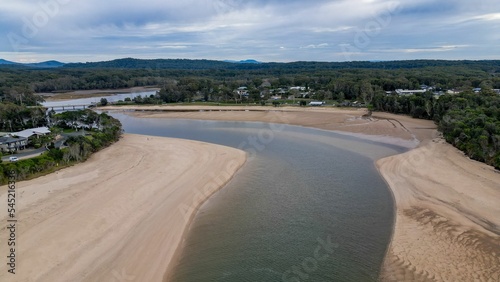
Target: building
pixel 316 103
pixel 410 92
pixel 242 91
pixel 27 133
pixel 11 144
pixel 19 140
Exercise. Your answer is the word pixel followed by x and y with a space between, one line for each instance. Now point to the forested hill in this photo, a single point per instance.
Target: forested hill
pixel 185 64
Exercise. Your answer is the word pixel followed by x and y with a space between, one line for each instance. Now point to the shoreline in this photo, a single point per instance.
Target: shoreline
pixel 92 221
pixel 442 231
pixel 439 233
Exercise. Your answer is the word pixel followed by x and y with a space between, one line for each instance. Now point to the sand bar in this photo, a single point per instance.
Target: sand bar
pixel 328 118
pixel 448 216
pixel 118 216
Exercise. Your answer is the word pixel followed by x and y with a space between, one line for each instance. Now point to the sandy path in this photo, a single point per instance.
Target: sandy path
pixel 117 217
pixel 447 206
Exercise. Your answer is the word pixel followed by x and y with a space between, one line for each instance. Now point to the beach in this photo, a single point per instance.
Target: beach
pixel 119 216
pixel 447 226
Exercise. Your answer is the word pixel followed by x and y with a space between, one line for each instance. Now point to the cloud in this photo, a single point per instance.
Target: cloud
pixel 267 30
pixel 312 46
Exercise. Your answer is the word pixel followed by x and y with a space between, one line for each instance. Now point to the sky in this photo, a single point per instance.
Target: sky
pixel 264 30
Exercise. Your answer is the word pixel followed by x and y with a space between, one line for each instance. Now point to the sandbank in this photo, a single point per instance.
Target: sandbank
pixel 119 216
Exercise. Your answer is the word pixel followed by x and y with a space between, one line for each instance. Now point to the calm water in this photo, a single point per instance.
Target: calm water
pixel 93 100
pixel 309 205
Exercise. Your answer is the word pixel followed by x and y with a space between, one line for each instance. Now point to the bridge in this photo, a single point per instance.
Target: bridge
pixel 70 107
pixel 67 107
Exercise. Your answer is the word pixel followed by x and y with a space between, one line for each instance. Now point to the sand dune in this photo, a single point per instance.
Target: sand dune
pixel 117 217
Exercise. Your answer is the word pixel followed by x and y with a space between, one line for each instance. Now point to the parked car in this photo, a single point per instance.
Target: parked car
pixel 13 159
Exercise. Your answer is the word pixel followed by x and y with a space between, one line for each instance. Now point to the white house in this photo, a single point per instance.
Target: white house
pixel 39 131
pixel 299 88
pixel 242 91
pixel 316 103
pixel 409 92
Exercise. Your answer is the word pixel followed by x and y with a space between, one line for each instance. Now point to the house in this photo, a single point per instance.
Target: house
pixel 11 144
pixel 27 133
pixel 316 103
pixel 298 88
pixel 427 88
pixel 242 91
pixel 409 92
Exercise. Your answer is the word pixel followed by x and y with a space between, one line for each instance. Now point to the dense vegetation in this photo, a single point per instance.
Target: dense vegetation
pixel 101 130
pixel 469 121
pixel 215 77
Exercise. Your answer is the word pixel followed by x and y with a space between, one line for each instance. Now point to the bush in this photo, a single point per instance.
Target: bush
pixel 104 101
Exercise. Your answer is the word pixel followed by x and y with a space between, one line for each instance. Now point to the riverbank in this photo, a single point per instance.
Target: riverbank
pixel 447 226
pixel 119 215
pixel 327 118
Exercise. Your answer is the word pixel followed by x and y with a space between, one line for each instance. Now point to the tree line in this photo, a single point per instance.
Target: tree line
pixel 333 80
pixel 469 121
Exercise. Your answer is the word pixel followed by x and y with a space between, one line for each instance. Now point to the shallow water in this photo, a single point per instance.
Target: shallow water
pixel 309 205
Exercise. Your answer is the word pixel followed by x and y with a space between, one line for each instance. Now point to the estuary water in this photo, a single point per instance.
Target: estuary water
pixel 309 205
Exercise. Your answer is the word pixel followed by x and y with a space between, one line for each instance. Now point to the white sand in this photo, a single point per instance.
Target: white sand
pixel 117 217
pixel 448 216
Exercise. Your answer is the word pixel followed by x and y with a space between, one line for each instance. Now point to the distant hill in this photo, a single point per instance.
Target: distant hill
pixel 47 64
pixel 249 61
pixel 490 66
pixel 131 63
pixel 5 62
pixel 292 67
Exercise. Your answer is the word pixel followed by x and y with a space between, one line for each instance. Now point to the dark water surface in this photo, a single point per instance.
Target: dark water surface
pixel 309 205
